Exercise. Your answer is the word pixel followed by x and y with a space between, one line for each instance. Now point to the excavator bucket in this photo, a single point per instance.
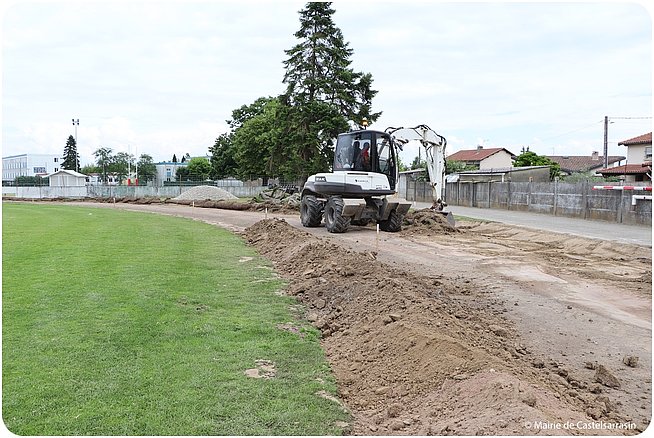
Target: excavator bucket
pixel 449 217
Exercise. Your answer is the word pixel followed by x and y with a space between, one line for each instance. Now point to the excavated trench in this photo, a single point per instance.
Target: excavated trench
pixel 411 358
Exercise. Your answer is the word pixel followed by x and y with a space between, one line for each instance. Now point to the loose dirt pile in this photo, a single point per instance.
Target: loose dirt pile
pixel 203 193
pixel 426 221
pixel 410 358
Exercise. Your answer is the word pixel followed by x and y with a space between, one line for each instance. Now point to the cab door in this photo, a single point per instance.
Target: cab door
pixel 384 158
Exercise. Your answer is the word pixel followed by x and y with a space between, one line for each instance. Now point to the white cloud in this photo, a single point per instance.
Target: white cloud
pixel 164 76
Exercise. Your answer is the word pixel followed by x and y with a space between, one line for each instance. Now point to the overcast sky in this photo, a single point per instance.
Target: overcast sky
pixel 160 77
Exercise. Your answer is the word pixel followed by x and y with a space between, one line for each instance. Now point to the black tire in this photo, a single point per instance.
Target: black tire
pixel 393 224
pixel 335 222
pixel 310 211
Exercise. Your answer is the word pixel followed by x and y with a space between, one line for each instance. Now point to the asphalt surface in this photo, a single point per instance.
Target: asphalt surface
pixel 637 234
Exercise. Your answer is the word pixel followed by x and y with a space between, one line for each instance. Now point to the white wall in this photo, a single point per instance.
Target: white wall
pixel 496 161
pixel 66 180
pixel 636 153
pixel 27 164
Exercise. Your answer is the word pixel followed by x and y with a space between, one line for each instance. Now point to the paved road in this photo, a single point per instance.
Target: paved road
pixel 641 235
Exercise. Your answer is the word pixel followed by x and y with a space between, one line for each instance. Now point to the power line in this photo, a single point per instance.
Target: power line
pixel 574 130
pixel 629 118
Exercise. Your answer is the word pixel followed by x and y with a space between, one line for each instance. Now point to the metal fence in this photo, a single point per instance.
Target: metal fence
pixel 236 187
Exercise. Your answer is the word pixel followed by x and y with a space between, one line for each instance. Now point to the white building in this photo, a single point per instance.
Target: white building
pixel 481 158
pixel 67 178
pixel 167 171
pixel 29 165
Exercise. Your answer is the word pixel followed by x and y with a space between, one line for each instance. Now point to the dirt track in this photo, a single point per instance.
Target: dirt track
pixel 487 329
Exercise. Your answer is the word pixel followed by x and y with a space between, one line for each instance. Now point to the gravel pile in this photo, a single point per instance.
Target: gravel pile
pixel 202 193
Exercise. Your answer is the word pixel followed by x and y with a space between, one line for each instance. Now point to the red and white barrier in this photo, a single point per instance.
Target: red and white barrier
pixel 636 188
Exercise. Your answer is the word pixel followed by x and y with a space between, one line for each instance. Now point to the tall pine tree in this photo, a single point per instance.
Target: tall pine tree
pixel 71 157
pixel 318 67
pixel 323 92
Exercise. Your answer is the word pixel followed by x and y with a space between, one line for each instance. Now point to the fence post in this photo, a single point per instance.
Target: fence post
pixel 458 192
pixel 620 208
pixel 508 197
pixel 415 191
pixel 529 195
pixel 584 198
pixel 489 193
pixel 556 194
pixel 473 198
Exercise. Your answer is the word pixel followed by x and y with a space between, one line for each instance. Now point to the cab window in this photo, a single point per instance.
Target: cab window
pixel 353 152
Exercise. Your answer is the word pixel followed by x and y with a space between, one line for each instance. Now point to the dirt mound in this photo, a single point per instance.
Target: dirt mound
pixel 235 205
pixel 203 193
pixel 427 221
pixel 409 357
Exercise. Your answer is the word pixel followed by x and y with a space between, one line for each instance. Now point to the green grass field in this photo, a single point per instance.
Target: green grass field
pixel 121 323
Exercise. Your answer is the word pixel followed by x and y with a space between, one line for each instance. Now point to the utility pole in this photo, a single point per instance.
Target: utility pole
pixel 606 141
pixel 76 124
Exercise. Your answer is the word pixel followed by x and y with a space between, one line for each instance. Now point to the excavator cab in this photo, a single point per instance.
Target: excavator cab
pixel 366 151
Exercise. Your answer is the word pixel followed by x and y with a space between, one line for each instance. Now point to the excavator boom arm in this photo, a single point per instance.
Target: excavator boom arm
pixel 434 145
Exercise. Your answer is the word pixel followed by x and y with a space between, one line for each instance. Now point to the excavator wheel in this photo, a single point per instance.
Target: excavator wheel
pixel 310 211
pixel 393 224
pixel 335 222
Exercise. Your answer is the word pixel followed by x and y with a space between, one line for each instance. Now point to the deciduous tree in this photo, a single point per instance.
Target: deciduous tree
pixel 223 163
pixel 147 170
pixel 199 169
pixel 103 159
pixel 121 164
pixel 529 158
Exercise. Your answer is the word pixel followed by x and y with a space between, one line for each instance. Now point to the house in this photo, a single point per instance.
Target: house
pixel 638 167
pixel 67 178
pixel 484 158
pixel 584 163
pixel 29 165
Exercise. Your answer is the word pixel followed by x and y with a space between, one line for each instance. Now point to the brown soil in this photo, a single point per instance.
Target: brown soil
pixel 411 359
pixel 491 329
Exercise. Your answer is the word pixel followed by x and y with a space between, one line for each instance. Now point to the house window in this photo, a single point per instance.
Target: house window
pixel 56 169
pixel 648 152
pixel 56 160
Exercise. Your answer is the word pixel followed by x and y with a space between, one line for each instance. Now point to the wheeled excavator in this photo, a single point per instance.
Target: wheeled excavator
pixel 362 186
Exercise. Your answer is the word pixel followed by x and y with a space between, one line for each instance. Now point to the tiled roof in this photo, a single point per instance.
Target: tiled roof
pixel 494 170
pixel 630 169
pixel 582 163
pixel 475 154
pixel 641 139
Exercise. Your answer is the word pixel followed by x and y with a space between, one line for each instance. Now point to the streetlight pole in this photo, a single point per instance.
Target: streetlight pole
pixel 76 124
pixel 606 142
